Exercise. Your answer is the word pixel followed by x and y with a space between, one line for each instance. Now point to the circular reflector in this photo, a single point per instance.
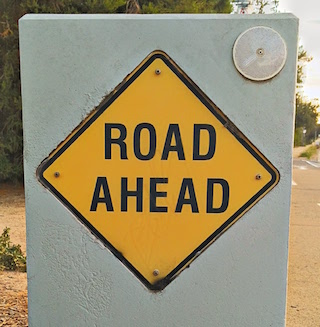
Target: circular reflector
pixel 259 53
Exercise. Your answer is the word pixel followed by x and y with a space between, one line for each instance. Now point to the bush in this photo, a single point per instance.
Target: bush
pixel 11 256
pixel 311 151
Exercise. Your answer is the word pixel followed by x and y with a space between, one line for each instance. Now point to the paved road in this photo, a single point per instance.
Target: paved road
pixel 305 164
pixel 303 302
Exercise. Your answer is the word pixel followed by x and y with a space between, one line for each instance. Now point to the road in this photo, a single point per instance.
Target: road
pixel 303 297
pixel 305 164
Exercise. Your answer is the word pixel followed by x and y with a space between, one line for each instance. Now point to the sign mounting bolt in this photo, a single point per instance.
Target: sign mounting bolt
pixel 56 174
pixel 156 272
pixel 260 52
pixel 258 177
pixel 157 71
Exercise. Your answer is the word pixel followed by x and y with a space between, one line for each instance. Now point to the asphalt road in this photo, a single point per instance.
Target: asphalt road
pixel 303 297
pixel 305 164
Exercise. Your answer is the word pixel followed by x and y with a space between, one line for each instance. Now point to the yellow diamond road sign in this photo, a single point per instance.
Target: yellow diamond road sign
pixel 157 172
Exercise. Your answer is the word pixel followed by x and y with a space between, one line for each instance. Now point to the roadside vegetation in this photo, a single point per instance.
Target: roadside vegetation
pixel 307 128
pixel 309 152
pixel 11 255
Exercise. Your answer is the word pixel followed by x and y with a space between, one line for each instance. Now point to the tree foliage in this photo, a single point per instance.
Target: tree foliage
pixel 260 5
pixel 10 99
pixel 11 157
pixel 275 4
pixel 306 126
pixel 303 58
pixel 185 6
pixel 73 6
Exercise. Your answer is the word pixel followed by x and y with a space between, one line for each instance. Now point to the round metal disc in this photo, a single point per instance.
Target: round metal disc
pixel 259 53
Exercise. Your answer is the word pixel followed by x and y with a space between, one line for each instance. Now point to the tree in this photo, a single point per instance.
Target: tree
pixel 275 4
pixel 72 6
pixel 10 99
pixel 261 4
pixel 185 6
pixel 303 58
pixel 306 127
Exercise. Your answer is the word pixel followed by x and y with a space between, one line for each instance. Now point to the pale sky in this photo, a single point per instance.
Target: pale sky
pixel 308 12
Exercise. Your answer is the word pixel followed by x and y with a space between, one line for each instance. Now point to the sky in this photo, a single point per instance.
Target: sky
pixel 308 12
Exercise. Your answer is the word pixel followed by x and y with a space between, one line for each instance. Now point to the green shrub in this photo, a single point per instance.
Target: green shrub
pixel 311 150
pixel 11 255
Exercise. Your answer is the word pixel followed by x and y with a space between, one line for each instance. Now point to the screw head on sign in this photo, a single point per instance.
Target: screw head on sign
pixel 56 174
pixel 156 272
pixel 260 52
pixel 157 71
pixel 258 176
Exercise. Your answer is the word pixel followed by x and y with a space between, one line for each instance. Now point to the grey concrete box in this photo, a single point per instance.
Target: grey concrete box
pixel 69 63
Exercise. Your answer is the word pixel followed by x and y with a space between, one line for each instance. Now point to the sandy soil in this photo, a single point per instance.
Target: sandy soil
pixel 13 285
pixel 303 296
pixel 303 300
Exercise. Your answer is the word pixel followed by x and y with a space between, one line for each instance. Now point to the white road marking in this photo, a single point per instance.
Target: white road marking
pixel 312 164
pixel 294 183
pixel 318 204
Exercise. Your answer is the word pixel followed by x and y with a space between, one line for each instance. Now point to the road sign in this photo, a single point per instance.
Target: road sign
pixel 157 172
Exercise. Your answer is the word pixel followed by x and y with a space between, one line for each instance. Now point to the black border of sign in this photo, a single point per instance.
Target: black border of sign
pixel 161 284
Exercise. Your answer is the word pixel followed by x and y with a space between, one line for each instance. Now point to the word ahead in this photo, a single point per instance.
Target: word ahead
pixel 187 195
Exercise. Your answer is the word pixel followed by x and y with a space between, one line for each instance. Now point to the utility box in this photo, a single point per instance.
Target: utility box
pixel 158 168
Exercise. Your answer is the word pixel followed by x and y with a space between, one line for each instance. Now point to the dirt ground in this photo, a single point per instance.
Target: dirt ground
pixel 303 299
pixel 303 296
pixel 13 285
